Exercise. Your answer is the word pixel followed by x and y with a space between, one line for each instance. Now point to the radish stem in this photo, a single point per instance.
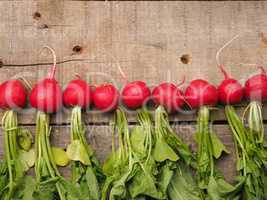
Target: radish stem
pixel 53 69
pixel 224 46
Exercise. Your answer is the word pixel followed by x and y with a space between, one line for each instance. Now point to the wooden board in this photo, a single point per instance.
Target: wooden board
pixel 147 39
pixel 152 41
pixel 93 116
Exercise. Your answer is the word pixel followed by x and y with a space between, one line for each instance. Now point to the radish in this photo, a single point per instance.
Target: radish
pixel 106 97
pixel 256 87
pixel 201 93
pixel 230 90
pixel 46 96
pixel 13 95
pixel 169 96
pixel 256 92
pixel 77 93
pixel 250 145
pixel 135 94
pixel 16 141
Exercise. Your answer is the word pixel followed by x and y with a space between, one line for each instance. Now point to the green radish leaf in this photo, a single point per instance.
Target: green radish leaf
pixel 26 159
pixel 162 151
pixel 183 185
pixel 46 190
pixel 143 182
pixel 165 175
pixel 77 152
pixel 25 139
pixel 24 188
pixel 138 140
pixel 92 184
pixel 3 176
pixel 213 190
pixel 227 190
pixel 217 146
pixel 60 156
pixel 110 164
pixel 119 186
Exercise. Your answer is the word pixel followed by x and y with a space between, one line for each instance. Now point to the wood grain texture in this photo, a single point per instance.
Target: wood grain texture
pixel 146 39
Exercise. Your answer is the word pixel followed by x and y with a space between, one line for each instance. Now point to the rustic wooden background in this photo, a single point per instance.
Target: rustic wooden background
pixel 153 41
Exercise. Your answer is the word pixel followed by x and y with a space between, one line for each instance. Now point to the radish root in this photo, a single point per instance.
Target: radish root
pixel 259 67
pixel 26 82
pixel 223 47
pixel 117 64
pixel 53 71
pixel 77 76
pixel 122 72
pixel 182 81
pixel 263 71
pixel 226 75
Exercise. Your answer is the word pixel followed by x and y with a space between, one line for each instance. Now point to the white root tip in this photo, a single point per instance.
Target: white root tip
pixel 26 82
pixel 121 71
pixel 223 47
pixel 54 60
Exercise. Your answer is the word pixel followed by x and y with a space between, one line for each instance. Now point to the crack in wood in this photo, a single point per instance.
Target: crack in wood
pixel 2 65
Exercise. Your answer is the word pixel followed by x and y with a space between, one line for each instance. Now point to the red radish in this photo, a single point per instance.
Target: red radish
pixel 256 86
pixel 77 93
pixel 106 97
pixel 46 95
pixel 169 96
pixel 230 90
pixel 200 93
pixel 135 94
pixel 12 95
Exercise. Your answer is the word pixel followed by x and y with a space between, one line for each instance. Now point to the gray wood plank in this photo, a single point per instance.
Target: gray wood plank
pixel 27 116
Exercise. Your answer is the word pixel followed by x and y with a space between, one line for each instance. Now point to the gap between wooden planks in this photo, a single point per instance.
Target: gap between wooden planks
pixel 93 117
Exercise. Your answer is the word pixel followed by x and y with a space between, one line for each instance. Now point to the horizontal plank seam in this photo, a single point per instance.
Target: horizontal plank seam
pixel 190 122
pixel 49 63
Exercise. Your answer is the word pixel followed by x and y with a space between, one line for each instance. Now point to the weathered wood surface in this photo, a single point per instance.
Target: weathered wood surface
pixel 152 41
pixel 147 39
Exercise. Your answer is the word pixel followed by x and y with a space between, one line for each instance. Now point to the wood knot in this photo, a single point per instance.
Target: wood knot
pixel 77 49
pixel 1 63
pixel 43 26
pixel 185 58
pixel 263 38
pixel 37 15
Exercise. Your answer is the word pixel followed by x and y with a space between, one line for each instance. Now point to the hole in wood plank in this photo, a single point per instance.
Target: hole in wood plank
pixel 185 58
pixel 43 26
pixel 263 38
pixel 37 15
pixel 77 49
